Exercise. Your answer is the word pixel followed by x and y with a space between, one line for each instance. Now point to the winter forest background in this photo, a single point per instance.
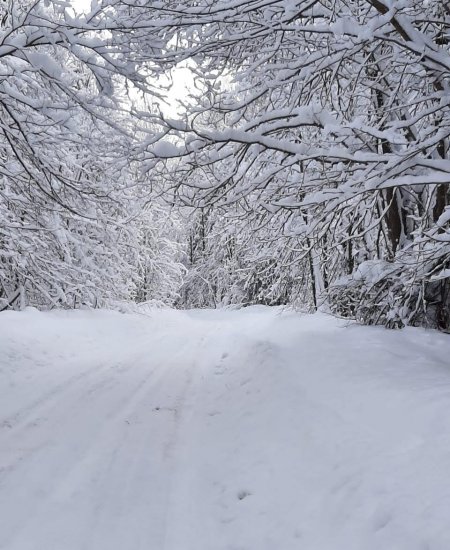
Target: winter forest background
pixel 308 166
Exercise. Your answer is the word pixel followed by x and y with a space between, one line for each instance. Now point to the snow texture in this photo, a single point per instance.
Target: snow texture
pixel 255 429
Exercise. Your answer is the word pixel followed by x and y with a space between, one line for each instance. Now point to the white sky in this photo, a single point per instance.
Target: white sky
pixel 183 84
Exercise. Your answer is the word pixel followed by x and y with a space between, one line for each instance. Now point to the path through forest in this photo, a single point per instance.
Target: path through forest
pixel 221 430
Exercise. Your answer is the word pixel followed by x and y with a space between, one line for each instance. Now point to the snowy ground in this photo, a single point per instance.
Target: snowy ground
pixel 221 430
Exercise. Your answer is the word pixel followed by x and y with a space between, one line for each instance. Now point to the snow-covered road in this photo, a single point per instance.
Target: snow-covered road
pixel 221 430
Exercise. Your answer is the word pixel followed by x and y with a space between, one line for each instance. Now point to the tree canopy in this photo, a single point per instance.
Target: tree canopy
pixel 314 149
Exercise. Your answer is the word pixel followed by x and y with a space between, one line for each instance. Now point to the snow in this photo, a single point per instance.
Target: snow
pixel 372 272
pixel 45 62
pixel 165 149
pixel 253 429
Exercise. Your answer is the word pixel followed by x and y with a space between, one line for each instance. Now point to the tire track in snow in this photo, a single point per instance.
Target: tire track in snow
pixel 119 430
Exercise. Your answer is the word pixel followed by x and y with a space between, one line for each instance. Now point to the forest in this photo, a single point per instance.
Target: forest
pixel 204 204
pixel 306 165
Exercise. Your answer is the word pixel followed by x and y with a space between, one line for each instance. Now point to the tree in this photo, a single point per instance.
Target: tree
pixel 70 229
pixel 336 119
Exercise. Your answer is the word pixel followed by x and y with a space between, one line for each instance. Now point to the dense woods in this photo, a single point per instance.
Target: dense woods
pixel 310 165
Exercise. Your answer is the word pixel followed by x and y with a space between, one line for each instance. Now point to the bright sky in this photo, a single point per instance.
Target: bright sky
pixel 183 84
